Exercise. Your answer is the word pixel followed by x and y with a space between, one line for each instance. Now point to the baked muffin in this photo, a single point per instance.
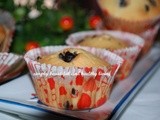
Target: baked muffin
pixel 103 41
pixel 124 44
pixel 72 78
pixel 141 17
pixel 133 16
pixel 70 57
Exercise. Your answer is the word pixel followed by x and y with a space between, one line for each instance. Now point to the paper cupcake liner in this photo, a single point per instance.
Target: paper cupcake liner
pixel 72 88
pixel 9 24
pixel 113 23
pixel 129 54
pixel 149 38
pixel 7 60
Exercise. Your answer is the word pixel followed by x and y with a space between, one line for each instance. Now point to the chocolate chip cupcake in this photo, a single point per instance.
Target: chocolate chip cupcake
pixel 64 76
pixel 133 16
pixel 141 17
pixel 124 44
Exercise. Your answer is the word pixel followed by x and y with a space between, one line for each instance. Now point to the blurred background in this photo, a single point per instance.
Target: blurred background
pixel 48 22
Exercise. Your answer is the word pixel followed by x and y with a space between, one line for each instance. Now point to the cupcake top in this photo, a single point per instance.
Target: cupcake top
pixel 73 57
pixel 131 9
pixel 2 34
pixel 103 41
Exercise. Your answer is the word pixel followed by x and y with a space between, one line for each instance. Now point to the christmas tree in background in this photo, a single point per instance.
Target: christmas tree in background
pixel 47 22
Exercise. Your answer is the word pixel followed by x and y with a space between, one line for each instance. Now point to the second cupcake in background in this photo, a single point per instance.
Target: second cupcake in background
pixel 141 17
pixel 72 78
pixel 126 45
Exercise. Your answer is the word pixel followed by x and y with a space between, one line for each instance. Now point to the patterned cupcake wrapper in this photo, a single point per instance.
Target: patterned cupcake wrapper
pixel 72 88
pixel 113 23
pixel 7 60
pixel 149 38
pixel 129 54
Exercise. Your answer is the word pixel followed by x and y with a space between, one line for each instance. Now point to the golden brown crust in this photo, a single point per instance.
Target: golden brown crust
pixel 103 41
pixel 82 58
pixel 132 10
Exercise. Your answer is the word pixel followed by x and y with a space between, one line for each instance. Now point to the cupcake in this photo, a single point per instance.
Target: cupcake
pixel 133 16
pixel 141 17
pixel 73 78
pixel 126 45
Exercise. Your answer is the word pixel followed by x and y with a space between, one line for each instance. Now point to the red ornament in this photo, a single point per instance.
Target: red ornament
pixel 31 45
pixel 66 23
pixel 94 21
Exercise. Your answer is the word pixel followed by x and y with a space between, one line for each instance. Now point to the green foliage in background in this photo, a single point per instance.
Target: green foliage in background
pixel 45 28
